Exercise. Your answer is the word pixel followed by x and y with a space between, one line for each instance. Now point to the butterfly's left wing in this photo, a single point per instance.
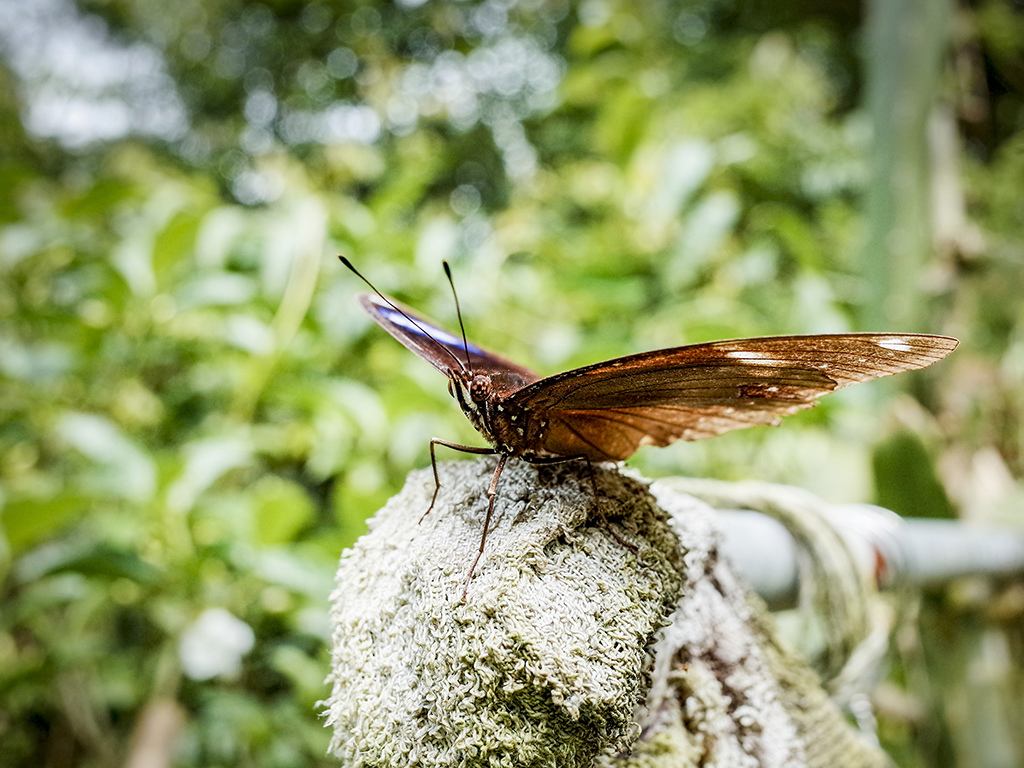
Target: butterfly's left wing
pixel 608 410
pixel 440 348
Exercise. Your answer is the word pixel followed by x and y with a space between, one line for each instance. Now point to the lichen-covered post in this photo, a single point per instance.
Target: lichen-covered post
pixel 595 632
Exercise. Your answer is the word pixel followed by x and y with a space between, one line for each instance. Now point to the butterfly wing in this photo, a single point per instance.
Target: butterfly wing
pixel 608 410
pixel 442 349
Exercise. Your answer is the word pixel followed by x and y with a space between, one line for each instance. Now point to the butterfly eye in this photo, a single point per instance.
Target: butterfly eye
pixel 479 389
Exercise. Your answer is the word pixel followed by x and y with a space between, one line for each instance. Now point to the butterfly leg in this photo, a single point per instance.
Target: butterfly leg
pixel 433 464
pixel 492 491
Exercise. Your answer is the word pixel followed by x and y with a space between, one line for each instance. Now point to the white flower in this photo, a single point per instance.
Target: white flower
pixel 214 645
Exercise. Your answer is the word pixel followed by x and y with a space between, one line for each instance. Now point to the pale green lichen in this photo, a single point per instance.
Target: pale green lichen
pixel 595 633
pixel 542 664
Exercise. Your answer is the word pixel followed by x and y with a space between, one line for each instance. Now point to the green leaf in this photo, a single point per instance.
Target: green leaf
pixel 282 509
pixel 174 245
pixel 29 520
pixel 906 481
pixel 122 467
pixel 101 560
pixel 305 671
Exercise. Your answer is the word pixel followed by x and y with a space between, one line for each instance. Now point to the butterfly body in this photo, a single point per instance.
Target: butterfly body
pixel 607 411
pixel 482 391
pixel 508 428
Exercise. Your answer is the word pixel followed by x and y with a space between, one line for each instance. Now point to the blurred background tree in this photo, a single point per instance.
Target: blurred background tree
pixel 196 417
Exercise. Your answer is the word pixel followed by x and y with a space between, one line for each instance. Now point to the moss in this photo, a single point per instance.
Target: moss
pixel 592 634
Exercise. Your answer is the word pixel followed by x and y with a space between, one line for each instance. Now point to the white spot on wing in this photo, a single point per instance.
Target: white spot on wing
pixel 897 345
pixel 744 354
pixel 755 358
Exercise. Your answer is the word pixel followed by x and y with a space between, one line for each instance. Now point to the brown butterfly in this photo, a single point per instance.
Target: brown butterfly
pixel 606 411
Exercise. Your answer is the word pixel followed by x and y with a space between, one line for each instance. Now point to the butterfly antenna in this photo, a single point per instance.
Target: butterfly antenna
pixel 412 320
pixel 458 313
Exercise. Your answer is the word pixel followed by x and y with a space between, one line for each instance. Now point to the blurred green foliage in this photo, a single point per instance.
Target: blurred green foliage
pixel 195 413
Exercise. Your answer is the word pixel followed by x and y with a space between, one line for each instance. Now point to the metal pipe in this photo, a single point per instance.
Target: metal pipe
pixel 895 551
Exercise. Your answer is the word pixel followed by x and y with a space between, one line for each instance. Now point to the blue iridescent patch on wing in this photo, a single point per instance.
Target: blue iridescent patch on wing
pixel 426 330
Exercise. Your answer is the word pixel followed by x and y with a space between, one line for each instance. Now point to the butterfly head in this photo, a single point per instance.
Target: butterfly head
pixel 480 389
pixel 469 388
pixel 474 395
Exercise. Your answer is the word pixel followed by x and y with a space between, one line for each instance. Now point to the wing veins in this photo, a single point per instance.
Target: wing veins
pixel 697 413
pixel 714 388
pixel 580 435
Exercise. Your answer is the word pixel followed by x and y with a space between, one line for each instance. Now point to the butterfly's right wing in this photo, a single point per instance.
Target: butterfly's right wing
pixel 442 349
pixel 608 410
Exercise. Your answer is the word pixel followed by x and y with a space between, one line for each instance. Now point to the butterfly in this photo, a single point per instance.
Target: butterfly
pixel 607 411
